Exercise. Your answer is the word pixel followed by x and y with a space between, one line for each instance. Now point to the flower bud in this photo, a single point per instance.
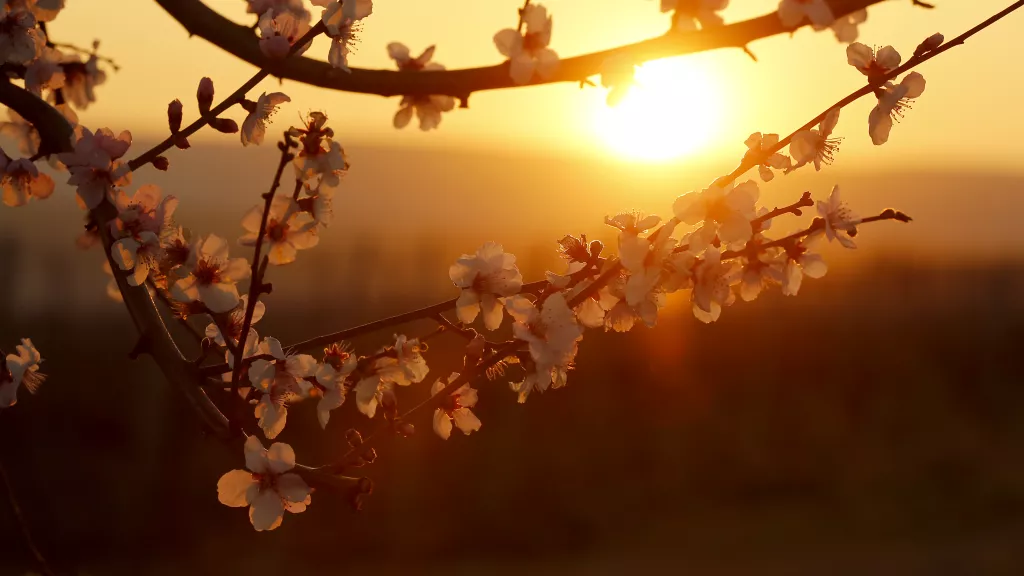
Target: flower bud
pixel 930 43
pixel 205 95
pixel 161 163
pixel 224 125
pixel 174 116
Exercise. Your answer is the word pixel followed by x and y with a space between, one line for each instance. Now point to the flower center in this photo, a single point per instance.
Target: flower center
pixel 206 272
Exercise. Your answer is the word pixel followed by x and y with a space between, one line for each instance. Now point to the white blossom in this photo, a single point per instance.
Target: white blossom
pixel 870 62
pixel 254 127
pixel 211 279
pixel 21 180
pixel 289 230
pixel 800 262
pixel 21 369
pixel 892 105
pixel 815 145
pixel 759 149
pixel 81 80
pixel 839 220
pixel 794 12
pixel 552 333
pixel 528 51
pixel 45 72
pixel 280 30
pixel 845 27
pixel 759 273
pixel 139 254
pixel 725 211
pixel 428 108
pixel 331 376
pixel 341 22
pixel 21 41
pixel 690 13
pixel 235 320
pixel 455 407
pixel 279 380
pixel 95 166
pixel 712 285
pixel 266 487
pixel 485 279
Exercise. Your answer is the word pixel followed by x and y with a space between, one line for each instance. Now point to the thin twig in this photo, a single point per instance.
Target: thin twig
pixel 256 286
pixel 234 98
pixel 26 533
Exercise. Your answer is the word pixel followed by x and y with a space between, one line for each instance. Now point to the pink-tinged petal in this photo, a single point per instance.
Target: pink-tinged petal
pixel 467 306
pixel 399 53
pixel 301 365
pixel 813 265
pixel 466 421
pixel 547 62
pixel 888 58
pixel 493 311
pixel 879 125
pixel 281 458
pixel 292 487
pixel 442 424
pixel 267 511
pixel 214 247
pixel 859 55
pixel 521 68
pixel 282 253
pixel 123 253
pixel 305 239
pixel 271 417
pixel 251 220
pixel 219 298
pixel 509 42
pixel 255 456
pixel 232 488
pixel 830 121
pixel 915 84
pixel 402 117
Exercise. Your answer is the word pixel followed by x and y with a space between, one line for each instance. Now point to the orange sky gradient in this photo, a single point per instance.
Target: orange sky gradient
pixel 966 117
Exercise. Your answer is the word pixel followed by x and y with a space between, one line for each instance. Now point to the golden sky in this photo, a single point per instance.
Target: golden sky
pixel 967 115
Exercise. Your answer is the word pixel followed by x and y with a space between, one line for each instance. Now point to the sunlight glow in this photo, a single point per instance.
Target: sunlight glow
pixel 672 110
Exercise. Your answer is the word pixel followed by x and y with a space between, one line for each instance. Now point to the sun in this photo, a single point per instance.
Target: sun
pixel 671 111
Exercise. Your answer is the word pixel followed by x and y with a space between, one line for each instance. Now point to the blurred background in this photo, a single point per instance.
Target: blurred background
pixel 869 426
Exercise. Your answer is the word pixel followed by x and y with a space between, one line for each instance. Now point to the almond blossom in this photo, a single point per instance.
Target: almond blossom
pixel 81 79
pixel 800 262
pixel 21 180
pixel 95 166
pixel 760 272
pixel 725 211
pixel 485 279
pixel 21 41
pixel 759 150
pixel 319 155
pixel 455 407
pixel 840 222
pixel 45 72
pixel 793 12
pixel 211 279
pixel 428 108
pixel 139 254
pixel 279 30
pixel 279 380
pixel 690 13
pixel 254 127
pixel 147 210
pixel 528 51
pixel 870 62
pixel 893 102
pixel 266 487
pixel 341 22
pixel 332 375
pixel 21 369
pixel 552 333
pixel 234 321
pixel 845 27
pixel 644 259
pixel 814 145
pixel 403 364
pixel 289 230
pixel 712 286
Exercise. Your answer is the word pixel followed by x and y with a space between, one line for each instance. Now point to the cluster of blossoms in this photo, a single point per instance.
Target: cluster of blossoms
pixel 714 249
pixel 17 370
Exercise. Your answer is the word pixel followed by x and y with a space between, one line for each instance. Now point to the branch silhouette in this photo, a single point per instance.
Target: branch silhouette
pixel 201 20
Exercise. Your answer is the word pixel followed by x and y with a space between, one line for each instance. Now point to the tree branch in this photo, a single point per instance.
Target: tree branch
pixel 200 20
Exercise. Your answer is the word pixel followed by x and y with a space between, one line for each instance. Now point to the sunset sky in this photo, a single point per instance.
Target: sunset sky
pixel 967 115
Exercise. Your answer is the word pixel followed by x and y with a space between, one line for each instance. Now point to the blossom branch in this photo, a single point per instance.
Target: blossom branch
pixel 751 162
pixel 200 20
pixel 228 102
